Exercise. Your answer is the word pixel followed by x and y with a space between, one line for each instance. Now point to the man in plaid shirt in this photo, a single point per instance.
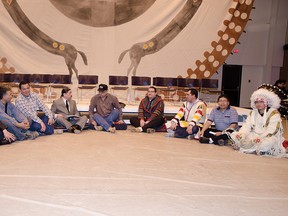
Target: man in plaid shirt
pixel 29 104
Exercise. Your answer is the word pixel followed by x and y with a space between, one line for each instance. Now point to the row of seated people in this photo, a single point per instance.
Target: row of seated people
pixel 261 133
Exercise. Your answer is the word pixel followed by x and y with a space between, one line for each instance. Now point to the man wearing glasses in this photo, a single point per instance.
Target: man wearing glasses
pixel 225 119
pixel 150 113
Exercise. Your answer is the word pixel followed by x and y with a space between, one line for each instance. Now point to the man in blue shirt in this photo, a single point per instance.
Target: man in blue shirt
pixel 225 119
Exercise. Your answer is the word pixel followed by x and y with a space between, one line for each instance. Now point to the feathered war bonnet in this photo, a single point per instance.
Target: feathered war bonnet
pixel 269 94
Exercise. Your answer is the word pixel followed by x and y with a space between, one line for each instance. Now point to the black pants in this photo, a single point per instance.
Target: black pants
pixel 155 123
pixel 213 137
pixel 181 132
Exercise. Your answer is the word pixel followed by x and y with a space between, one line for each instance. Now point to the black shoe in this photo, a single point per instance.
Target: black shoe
pixel 75 129
pixel 222 142
pixel 150 130
pixel 5 142
pixel 204 140
pixel 71 129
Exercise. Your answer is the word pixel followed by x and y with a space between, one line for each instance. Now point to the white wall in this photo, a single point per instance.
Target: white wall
pixel 261 49
pixel 252 77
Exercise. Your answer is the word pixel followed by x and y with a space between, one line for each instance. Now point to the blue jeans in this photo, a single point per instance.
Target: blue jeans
pixel 106 122
pixel 35 126
pixel 18 132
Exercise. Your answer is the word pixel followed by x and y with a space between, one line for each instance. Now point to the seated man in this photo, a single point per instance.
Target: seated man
pixel 150 113
pixel 262 132
pixel 5 136
pixel 225 118
pixel 12 118
pixel 193 113
pixel 66 112
pixel 281 84
pixel 105 109
pixel 29 103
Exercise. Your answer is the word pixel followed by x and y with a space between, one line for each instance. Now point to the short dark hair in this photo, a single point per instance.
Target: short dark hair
pixel 3 91
pixel 153 88
pixel 193 91
pixel 223 96
pixel 279 82
pixel 23 83
pixel 65 90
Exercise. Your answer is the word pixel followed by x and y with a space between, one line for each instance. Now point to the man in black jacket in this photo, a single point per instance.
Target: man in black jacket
pixel 150 113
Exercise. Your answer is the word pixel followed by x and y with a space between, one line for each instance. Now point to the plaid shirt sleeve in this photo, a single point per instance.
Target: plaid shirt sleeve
pixel 17 114
pixel 43 107
pixel 24 109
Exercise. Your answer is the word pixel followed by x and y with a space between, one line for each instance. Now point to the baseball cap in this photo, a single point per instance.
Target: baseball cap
pixel 102 87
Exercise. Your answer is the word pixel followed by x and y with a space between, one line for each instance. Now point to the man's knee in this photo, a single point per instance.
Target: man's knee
pixel 44 118
pixel 35 126
pixel 49 130
pixel 6 122
pixel 115 111
pixel 180 132
pixel 134 120
pixel 83 118
pixel 61 121
pixel 96 115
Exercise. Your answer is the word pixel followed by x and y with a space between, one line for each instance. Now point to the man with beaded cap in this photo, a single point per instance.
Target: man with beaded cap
pixel 262 131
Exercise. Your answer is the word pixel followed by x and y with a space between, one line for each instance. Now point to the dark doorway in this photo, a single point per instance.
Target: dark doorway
pixel 231 83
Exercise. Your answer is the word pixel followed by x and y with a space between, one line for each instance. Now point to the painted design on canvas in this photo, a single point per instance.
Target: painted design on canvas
pixel 4 68
pixel 67 51
pixel 99 13
pixel 155 44
pixel 119 12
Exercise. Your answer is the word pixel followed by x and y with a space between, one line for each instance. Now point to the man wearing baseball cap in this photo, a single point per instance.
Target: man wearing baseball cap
pixel 105 109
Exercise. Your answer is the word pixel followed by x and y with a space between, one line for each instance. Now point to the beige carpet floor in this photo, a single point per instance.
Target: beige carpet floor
pixel 128 174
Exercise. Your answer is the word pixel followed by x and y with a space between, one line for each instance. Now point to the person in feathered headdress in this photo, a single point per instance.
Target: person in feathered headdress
pixel 262 131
